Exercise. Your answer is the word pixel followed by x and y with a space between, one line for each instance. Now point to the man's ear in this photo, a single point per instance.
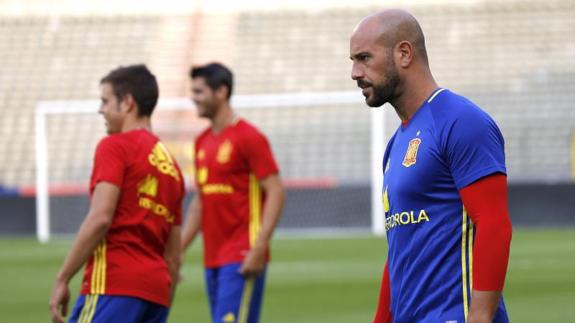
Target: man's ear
pixel 404 53
pixel 222 93
pixel 128 103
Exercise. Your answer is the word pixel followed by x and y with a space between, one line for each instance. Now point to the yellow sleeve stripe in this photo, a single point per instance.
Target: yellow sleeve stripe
pixel 98 279
pixel 466 260
pixel 470 244
pixel 464 263
pixel 255 198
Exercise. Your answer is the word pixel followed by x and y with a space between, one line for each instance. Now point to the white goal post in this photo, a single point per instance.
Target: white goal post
pixel 45 109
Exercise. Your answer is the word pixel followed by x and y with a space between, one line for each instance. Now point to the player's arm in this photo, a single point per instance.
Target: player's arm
pixel 383 314
pixel 254 263
pixel 172 256
pixel 192 225
pixel 486 204
pixel 91 233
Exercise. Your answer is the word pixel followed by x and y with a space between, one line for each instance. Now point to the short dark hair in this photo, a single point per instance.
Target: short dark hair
pixel 138 81
pixel 216 76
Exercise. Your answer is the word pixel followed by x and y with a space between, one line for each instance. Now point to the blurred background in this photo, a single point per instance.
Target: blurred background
pixel 515 59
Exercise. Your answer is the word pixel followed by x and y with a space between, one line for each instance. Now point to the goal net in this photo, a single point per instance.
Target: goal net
pixel 328 147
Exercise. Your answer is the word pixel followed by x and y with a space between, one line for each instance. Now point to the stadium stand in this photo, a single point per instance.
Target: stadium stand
pixel 514 58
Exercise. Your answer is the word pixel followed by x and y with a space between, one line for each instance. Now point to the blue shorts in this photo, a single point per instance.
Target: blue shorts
pixel 233 298
pixel 117 309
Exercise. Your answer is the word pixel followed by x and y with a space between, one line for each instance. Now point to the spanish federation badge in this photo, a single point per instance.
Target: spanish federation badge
pixel 411 154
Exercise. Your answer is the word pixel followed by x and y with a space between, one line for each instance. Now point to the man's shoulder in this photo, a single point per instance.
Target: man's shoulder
pixel 246 130
pixel 114 142
pixel 127 138
pixel 448 107
pixel 127 144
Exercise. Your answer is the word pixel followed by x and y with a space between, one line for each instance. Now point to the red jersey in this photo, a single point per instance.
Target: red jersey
pixel 229 166
pixel 130 260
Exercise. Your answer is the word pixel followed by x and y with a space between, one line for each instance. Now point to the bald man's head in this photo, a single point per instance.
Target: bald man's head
pixel 390 27
pixel 384 48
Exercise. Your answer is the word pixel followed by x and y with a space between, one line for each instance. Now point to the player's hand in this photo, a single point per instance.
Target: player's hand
pixel 254 263
pixel 59 302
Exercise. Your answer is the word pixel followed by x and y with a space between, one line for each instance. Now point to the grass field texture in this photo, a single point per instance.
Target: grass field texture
pixel 310 280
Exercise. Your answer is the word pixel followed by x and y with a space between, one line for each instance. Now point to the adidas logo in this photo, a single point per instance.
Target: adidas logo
pixel 230 318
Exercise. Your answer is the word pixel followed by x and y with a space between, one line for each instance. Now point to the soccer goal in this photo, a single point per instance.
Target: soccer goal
pixel 328 146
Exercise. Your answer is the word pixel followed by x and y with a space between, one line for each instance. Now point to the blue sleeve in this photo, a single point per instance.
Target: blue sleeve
pixel 473 146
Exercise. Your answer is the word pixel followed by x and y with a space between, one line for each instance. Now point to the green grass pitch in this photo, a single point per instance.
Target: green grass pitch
pixel 311 280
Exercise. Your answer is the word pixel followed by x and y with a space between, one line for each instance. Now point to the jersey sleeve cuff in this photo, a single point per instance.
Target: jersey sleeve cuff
pixel 107 180
pixel 465 181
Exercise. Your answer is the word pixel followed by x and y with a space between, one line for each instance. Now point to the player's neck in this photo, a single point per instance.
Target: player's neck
pixel 224 118
pixel 138 123
pixel 413 96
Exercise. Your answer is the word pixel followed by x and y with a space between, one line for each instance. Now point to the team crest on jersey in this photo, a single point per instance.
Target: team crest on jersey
pixel 202 175
pixel 224 152
pixel 201 154
pixel 411 155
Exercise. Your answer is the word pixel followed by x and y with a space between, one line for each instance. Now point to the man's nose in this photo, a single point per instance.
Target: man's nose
pixel 356 72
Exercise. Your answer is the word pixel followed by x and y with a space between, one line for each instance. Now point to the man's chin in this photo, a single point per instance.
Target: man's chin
pixel 202 113
pixel 373 102
pixel 111 131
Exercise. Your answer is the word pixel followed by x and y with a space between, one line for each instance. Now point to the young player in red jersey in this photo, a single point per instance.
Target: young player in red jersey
pixel 130 238
pixel 238 204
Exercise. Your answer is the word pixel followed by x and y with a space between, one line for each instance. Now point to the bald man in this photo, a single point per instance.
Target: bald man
pixel 445 187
